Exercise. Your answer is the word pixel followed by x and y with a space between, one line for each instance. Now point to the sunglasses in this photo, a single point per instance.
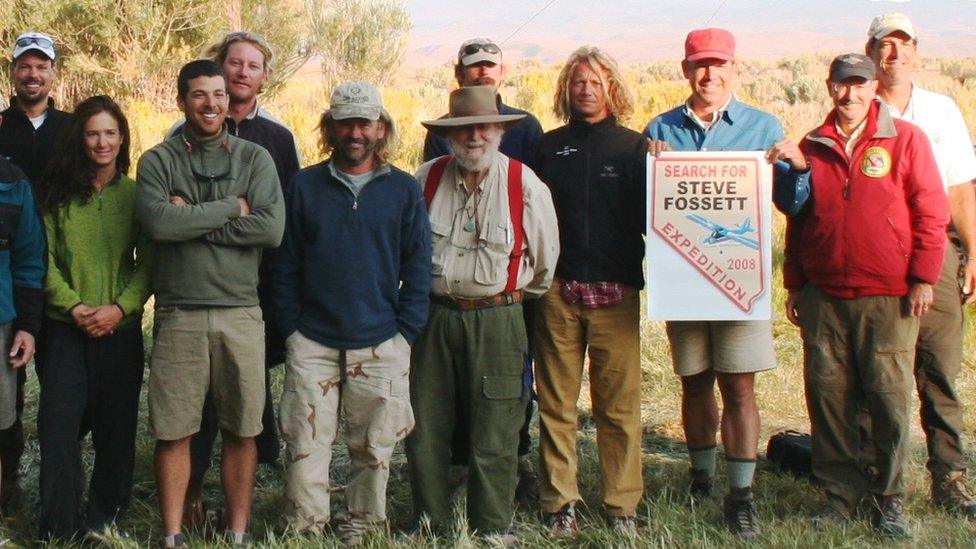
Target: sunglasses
pixel 471 49
pixel 38 40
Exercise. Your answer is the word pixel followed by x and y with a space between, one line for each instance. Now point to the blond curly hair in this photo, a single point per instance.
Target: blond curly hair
pixel 620 100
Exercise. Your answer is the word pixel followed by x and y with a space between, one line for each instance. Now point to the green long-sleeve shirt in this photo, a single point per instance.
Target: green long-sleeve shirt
pixel 207 254
pixel 97 254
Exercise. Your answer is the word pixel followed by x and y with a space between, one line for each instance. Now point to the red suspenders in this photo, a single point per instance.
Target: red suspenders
pixel 515 209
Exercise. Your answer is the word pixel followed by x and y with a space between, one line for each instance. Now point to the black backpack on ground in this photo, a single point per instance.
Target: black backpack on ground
pixel 790 452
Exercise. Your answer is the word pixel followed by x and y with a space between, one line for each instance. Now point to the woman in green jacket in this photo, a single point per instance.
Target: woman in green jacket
pixel 91 361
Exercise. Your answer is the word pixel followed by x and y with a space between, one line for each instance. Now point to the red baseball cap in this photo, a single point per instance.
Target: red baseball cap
pixel 709 44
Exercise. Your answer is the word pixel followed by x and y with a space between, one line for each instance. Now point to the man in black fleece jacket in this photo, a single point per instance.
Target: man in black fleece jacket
pixel 595 169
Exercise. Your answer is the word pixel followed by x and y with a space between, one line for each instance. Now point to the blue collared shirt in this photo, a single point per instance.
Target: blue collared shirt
pixel 739 128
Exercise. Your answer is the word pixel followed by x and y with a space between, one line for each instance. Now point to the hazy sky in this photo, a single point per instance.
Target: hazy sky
pixel 655 29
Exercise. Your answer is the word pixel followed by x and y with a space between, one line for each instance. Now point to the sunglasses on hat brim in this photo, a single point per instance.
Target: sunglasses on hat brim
pixel 472 49
pixel 35 40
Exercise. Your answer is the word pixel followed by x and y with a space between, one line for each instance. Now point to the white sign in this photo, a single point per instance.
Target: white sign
pixel 709 245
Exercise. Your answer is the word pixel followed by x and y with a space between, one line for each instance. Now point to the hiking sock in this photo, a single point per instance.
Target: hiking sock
pixel 703 459
pixel 741 472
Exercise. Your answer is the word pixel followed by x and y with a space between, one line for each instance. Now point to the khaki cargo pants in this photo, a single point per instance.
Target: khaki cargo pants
pixel 372 387
pixel 857 350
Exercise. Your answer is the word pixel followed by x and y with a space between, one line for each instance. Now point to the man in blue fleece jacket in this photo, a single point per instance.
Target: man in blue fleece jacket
pixel 351 290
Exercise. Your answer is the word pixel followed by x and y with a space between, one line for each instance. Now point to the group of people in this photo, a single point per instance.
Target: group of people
pixel 434 307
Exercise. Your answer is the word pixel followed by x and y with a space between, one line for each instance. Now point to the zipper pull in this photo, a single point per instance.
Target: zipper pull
pixel 847 189
pixel 355 204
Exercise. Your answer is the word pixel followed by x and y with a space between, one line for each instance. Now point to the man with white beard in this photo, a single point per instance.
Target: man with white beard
pixel 495 243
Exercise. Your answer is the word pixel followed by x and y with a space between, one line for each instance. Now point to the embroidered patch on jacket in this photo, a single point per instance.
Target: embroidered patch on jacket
pixel 609 171
pixel 876 162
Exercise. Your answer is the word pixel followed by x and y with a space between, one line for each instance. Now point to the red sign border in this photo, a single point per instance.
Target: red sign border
pixel 759 218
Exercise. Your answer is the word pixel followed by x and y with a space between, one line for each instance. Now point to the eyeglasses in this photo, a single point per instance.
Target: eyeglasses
pixel 839 87
pixel 472 49
pixel 37 40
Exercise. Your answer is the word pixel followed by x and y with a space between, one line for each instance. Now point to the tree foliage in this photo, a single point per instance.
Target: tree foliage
pixel 359 39
pixel 132 49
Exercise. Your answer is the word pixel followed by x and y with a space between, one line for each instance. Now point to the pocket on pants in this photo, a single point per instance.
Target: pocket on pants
pixel 393 417
pixel 499 412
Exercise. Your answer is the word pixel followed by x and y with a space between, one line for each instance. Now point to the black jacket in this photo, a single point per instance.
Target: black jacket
pixel 30 149
pixel 597 175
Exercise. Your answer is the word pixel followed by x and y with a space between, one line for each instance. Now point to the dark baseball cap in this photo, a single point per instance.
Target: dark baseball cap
pixel 851 65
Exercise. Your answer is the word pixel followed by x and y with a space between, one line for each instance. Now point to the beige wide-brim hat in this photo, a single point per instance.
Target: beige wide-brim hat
pixel 469 106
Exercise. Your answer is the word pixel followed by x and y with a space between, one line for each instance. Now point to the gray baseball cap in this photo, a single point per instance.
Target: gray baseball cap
pixel 851 65
pixel 356 100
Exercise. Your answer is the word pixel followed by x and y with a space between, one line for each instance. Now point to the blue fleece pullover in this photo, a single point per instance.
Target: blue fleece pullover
pixel 353 271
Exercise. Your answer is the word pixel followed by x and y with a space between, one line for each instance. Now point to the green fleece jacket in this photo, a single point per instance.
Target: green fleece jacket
pixel 97 255
pixel 207 253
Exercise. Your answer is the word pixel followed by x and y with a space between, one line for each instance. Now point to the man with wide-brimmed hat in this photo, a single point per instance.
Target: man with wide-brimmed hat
pixel 480 63
pixel 495 243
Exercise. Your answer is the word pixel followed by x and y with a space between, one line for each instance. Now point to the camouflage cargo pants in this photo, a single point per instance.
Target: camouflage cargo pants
pixel 373 390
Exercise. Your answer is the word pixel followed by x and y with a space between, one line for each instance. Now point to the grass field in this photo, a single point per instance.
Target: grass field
pixel 784 504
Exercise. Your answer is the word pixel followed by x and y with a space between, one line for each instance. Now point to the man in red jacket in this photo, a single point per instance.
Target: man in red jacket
pixel 861 260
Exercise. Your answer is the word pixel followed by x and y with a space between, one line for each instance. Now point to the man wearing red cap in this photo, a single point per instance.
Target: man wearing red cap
pixel 726 352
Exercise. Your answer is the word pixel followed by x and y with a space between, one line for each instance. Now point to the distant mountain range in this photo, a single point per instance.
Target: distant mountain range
pixel 646 30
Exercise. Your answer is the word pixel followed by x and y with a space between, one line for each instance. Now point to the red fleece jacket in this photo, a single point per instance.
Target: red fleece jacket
pixel 876 221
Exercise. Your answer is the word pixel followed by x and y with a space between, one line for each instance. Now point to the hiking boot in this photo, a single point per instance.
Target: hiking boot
pixel 701 486
pixel 889 518
pixel 562 523
pixel 951 494
pixel 176 541
pixel 624 525
pixel 739 514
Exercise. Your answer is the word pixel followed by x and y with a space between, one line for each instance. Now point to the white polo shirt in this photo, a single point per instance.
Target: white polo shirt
pixel 942 122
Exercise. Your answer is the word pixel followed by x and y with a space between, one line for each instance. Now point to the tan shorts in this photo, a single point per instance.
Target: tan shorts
pixel 725 346
pixel 196 350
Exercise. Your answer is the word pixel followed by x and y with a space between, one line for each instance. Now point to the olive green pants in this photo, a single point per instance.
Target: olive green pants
pixel 938 362
pixel 857 350
pixel 469 362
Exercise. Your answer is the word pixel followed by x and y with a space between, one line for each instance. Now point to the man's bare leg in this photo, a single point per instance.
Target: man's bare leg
pixel 740 415
pixel 172 463
pixel 699 410
pixel 238 465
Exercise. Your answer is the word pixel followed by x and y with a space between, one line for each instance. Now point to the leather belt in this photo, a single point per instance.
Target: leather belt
pixel 474 303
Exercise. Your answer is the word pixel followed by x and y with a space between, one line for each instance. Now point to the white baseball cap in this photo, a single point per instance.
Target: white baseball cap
pixel 477 50
pixel 885 24
pixel 34 41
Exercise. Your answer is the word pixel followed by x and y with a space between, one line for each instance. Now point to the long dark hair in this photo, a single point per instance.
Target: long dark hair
pixel 70 173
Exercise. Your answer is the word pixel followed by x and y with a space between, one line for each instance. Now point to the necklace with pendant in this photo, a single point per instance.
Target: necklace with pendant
pixel 471 225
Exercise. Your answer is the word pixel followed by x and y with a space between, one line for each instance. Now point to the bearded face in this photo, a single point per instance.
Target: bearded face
pixel 474 146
